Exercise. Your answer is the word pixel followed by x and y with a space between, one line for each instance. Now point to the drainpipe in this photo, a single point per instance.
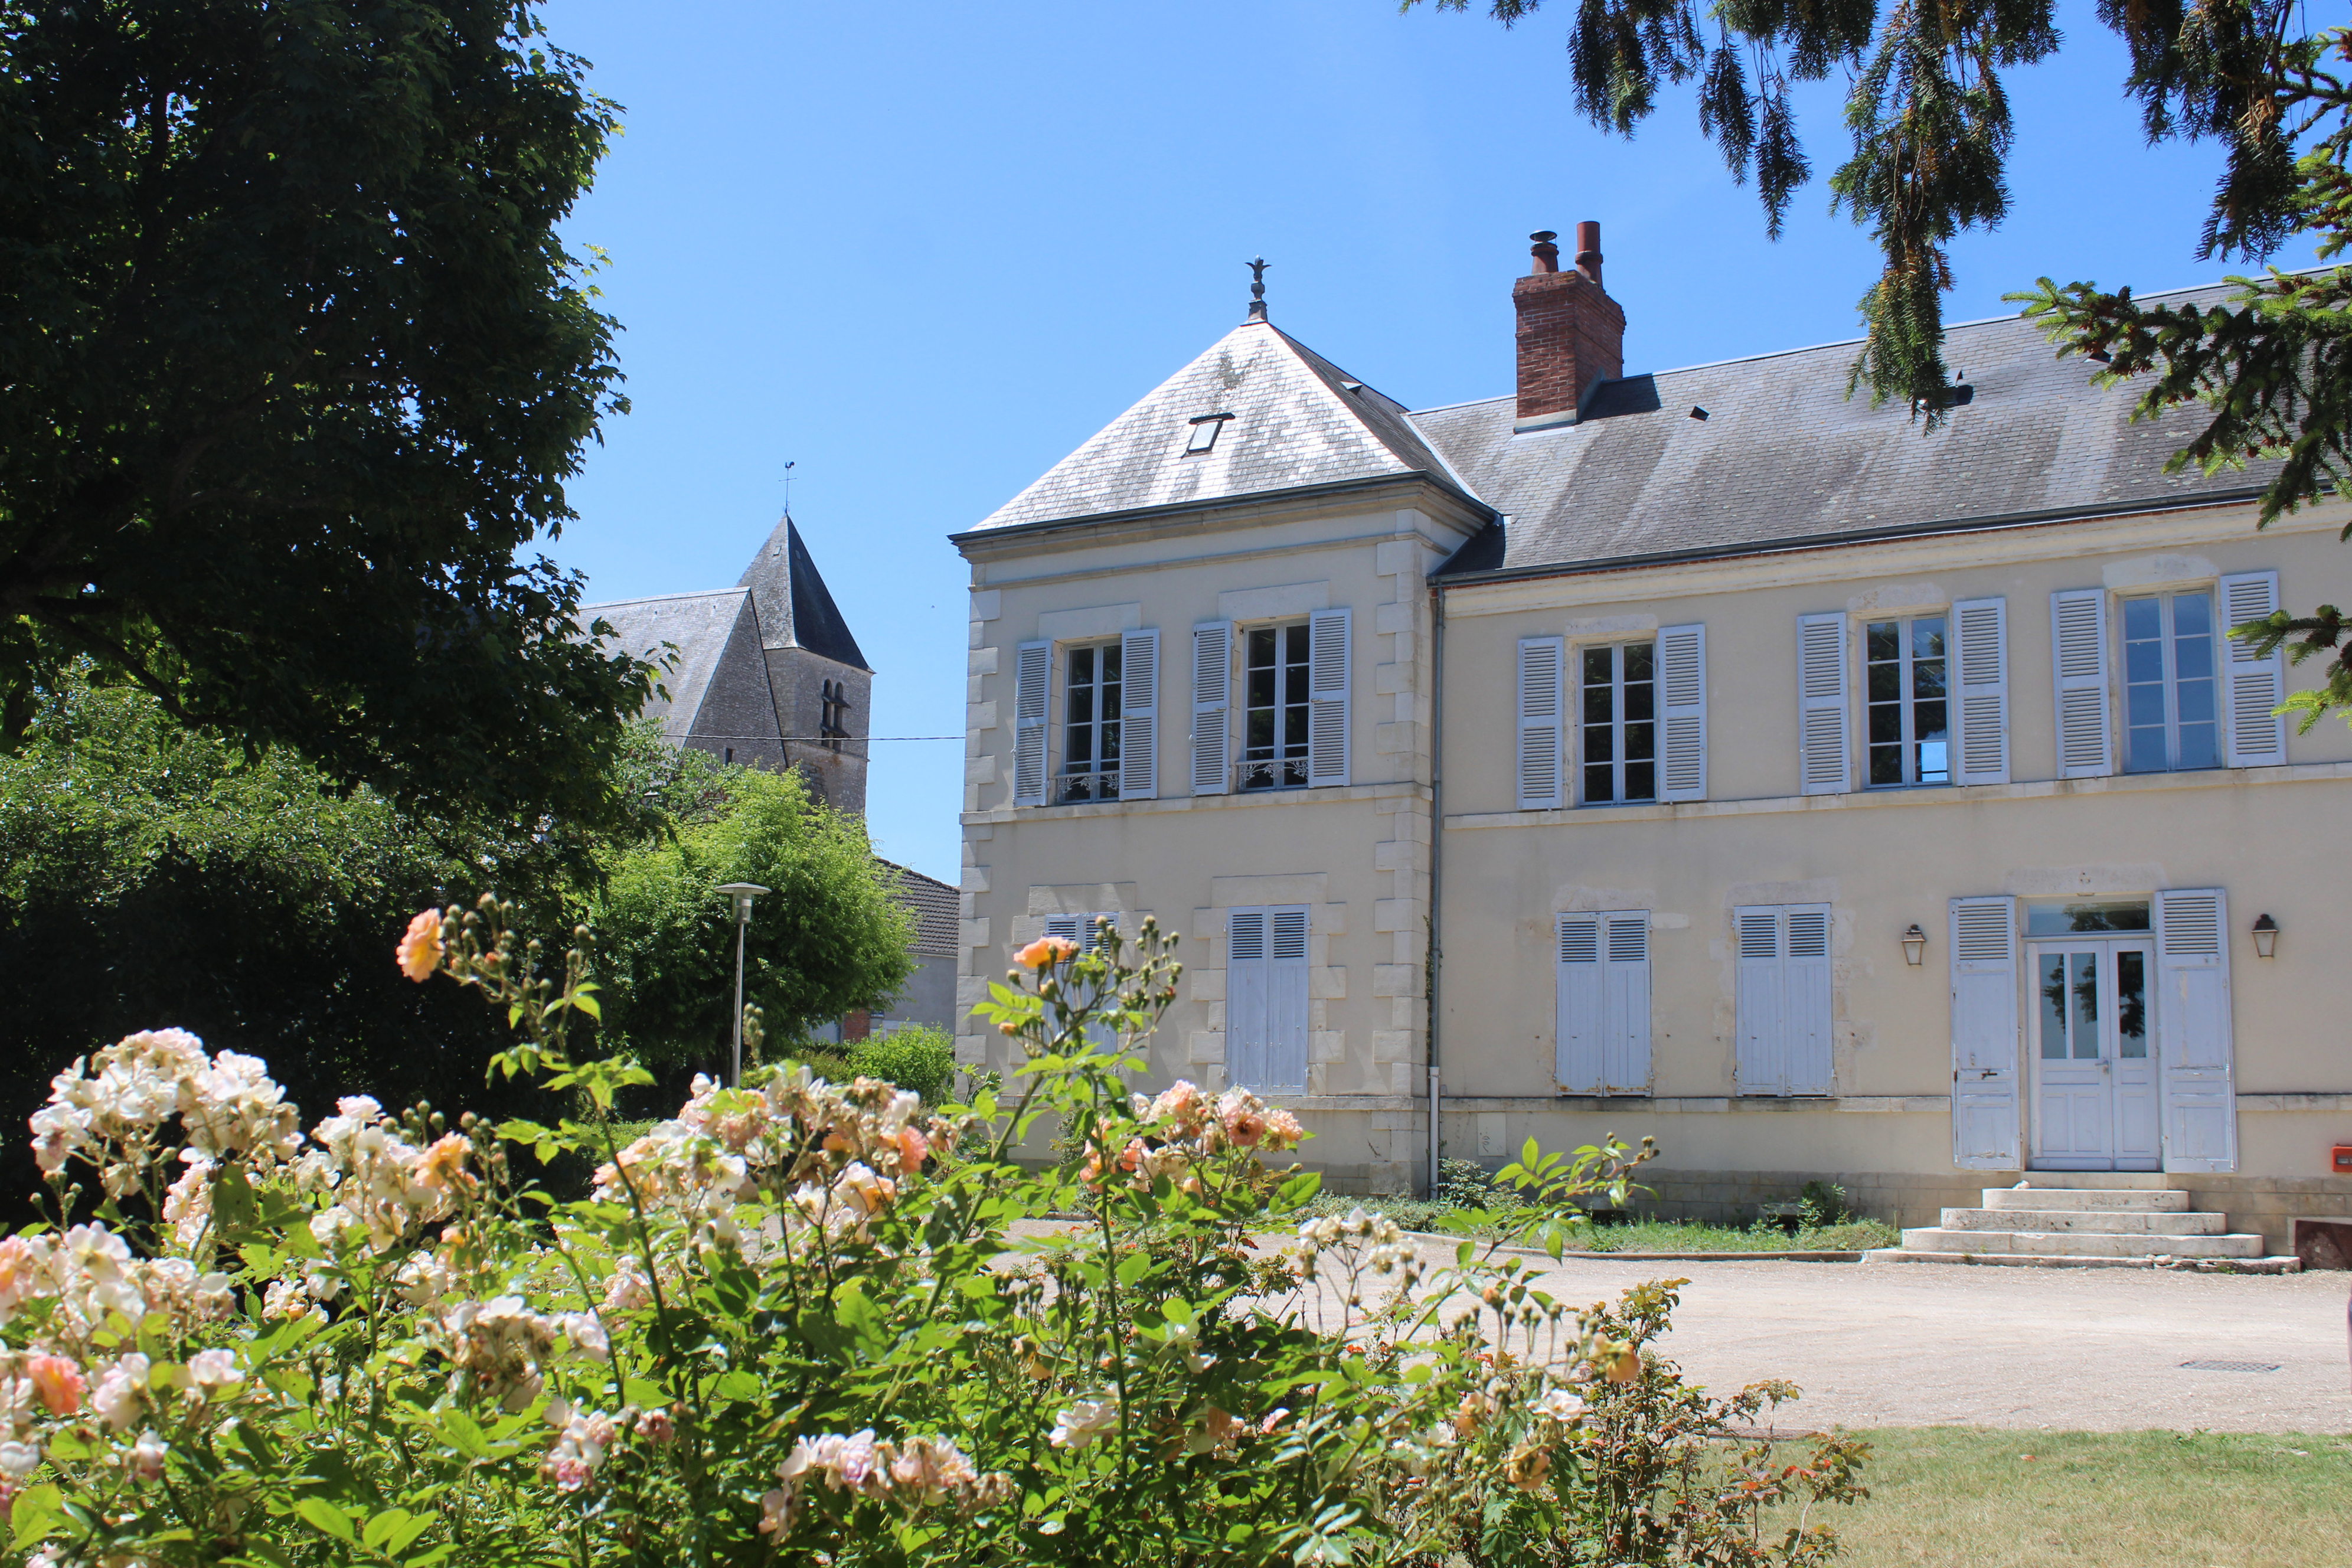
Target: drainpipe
pixel 1436 850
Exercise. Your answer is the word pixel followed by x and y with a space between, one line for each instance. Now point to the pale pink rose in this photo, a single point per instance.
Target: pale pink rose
pixel 913 1149
pixel 419 952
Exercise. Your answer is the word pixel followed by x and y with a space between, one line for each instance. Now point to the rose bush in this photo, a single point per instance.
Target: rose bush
pixel 797 1322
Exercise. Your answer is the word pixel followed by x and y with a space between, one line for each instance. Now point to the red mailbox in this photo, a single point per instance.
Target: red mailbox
pixel 2342 1159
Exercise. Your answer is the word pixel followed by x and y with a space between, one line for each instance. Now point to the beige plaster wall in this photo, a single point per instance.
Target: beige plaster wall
pixel 1357 854
pixel 2276 839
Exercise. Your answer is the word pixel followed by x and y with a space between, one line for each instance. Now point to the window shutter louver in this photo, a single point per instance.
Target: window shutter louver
pixel 1032 669
pixel 2078 640
pixel 1806 1000
pixel 1756 1003
pixel 1139 717
pixel 1326 698
pixel 1825 762
pixel 1985 1125
pixel 1213 679
pixel 1576 1045
pixel 1981 694
pixel 2257 736
pixel 1625 1004
pixel 2194 1048
pixel 1540 724
pixel 1682 713
pixel 1066 927
pixel 1246 996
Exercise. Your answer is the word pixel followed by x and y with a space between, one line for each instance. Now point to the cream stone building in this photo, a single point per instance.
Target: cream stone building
pixel 1700 754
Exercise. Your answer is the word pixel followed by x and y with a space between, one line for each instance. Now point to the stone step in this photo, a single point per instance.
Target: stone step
pixel 2081 1244
pixel 2113 1222
pixel 2125 1200
pixel 2273 1265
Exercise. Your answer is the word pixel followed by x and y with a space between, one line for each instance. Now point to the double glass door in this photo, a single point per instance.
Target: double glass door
pixel 2095 1073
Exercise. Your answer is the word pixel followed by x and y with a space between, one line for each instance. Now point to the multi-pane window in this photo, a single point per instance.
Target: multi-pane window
pixel 1091 723
pixel 1274 699
pixel 1619 723
pixel 1909 738
pixel 2170 717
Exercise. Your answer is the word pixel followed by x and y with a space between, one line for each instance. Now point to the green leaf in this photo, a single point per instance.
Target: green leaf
pixel 461 1432
pixel 32 1513
pixel 326 1518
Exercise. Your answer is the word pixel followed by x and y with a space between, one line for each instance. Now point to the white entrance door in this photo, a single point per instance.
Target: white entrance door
pixel 2095 1077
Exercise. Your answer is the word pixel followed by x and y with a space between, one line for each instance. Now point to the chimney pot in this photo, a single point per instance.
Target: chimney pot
pixel 1572 334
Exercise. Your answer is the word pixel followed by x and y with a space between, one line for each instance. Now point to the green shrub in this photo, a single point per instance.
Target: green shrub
pixel 921 1058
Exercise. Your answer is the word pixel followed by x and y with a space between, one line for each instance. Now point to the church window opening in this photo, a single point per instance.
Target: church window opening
pixel 833 718
pixel 1274 737
pixel 1090 725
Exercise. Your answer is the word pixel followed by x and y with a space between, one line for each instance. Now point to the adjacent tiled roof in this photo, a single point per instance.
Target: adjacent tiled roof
pixel 1783 455
pixel 939 910
pixel 795 609
pixel 701 625
pixel 1298 421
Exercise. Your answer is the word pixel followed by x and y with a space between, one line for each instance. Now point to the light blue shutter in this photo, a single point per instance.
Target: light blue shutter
pixel 1576 1044
pixel 1540 724
pixel 1625 1003
pixel 1759 1057
pixel 1824 759
pixel 1032 669
pixel 1213 679
pixel 1327 696
pixel 2078 640
pixel 1805 992
pixel 1287 1003
pixel 1682 713
pixel 1246 996
pixel 2194 1047
pixel 2257 734
pixel 1984 1033
pixel 1980 713
pixel 1139 717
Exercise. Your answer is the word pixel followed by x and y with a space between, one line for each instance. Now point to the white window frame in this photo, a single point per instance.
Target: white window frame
pixel 1285 675
pixel 1101 773
pixel 1906 701
pixel 2169 680
pixel 1617 723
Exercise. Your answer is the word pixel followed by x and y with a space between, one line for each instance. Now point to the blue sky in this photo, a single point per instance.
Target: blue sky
pixel 923 250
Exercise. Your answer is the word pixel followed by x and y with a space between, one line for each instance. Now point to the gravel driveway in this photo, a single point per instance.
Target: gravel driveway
pixel 1930 1345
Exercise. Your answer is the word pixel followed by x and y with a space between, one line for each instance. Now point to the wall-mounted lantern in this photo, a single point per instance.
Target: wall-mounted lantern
pixel 2265 936
pixel 1914 945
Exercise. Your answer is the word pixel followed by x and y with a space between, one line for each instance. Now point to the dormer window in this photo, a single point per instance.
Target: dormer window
pixel 1204 433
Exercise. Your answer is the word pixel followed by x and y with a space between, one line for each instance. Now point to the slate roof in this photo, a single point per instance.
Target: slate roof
pixel 701 625
pixel 1299 421
pixel 797 609
pixel 1784 457
pixel 939 910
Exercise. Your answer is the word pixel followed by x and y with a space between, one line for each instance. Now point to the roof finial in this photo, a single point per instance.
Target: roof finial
pixel 1257 289
pixel 788 488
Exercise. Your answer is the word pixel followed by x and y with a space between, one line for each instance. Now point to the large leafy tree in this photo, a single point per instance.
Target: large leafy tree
pixel 292 365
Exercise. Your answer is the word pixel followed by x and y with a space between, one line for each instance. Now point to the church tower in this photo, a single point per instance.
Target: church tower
pixel 817 673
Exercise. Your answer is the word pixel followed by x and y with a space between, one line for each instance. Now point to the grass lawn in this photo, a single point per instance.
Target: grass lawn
pixel 1642 1234
pixel 1969 1496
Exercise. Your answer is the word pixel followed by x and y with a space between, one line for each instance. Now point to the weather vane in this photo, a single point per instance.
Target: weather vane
pixel 1257 289
pixel 788 488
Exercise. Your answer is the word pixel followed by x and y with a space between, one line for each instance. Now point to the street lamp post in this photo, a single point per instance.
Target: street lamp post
pixel 743 893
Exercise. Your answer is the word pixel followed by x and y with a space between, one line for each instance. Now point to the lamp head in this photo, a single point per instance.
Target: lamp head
pixel 743 893
pixel 1914 945
pixel 2266 931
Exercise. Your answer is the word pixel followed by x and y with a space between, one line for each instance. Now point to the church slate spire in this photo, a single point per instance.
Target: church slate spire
pixel 796 610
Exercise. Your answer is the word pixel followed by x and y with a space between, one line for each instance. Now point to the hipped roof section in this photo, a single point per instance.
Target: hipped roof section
pixel 1298 422
pixel 797 609
pixel 699 627
pixel 1786 458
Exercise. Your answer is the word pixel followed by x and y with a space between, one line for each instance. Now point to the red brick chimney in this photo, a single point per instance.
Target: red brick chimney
pixel 1572 333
